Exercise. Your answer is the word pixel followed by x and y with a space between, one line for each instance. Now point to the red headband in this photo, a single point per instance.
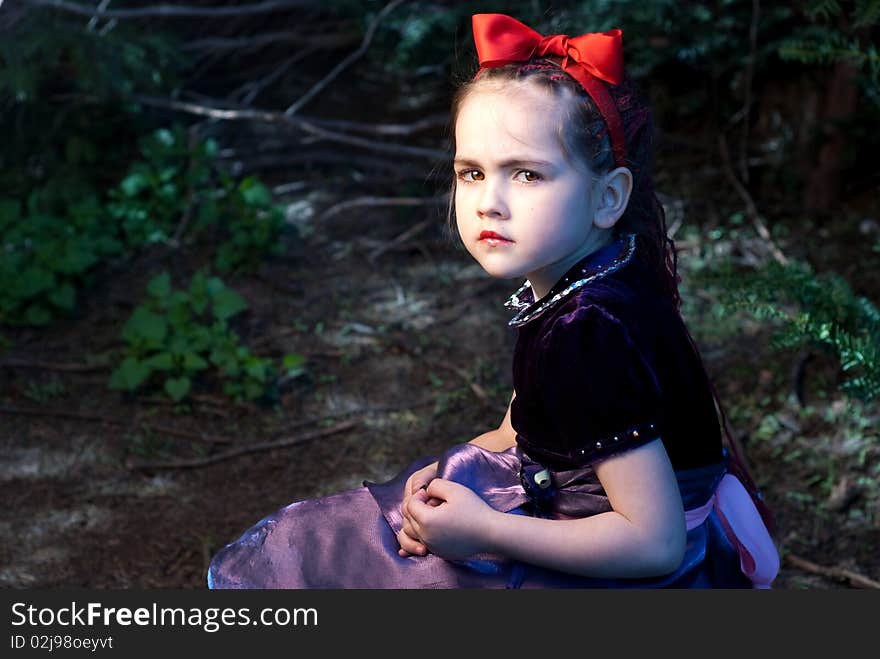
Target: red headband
pixel 589 59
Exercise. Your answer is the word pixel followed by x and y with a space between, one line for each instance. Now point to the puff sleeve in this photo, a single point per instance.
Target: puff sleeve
pixel 596 388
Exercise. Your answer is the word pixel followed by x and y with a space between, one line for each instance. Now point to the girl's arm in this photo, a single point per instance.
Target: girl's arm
pixel 643 536
pixel 502 437
pixel 498 439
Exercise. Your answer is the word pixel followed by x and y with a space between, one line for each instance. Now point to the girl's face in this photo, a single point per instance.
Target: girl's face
pixel 522 207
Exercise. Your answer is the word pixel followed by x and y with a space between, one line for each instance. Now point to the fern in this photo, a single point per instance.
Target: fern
pixel 837 32
pixel 866 14
pixel 819 311
pixel 822 8
pixel 820 45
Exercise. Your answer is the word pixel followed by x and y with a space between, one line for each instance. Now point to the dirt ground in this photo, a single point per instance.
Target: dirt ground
pixel 407 353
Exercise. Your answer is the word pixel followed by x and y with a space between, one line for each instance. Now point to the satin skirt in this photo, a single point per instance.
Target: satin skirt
pixel 348 540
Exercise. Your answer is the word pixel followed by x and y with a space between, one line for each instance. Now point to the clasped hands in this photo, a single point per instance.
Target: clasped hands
pixel 441 516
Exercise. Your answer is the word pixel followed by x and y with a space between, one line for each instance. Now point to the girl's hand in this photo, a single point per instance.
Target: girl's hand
pixel 410 545
pixel 456 527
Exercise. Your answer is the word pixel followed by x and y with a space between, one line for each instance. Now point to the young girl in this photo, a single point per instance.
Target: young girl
pixel 608 469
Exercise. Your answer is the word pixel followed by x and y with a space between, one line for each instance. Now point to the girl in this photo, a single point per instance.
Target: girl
pixel 608 469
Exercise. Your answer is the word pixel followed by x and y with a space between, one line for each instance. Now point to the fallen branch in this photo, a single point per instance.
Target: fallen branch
pixel 751 208
pixel 240 44
pixel 344 64
pixel 93 21
pixel 248 162
pixel 384 147
pixel 192 463
pixel 400 239
pixel 279 117
pixel 417 126
pixel 174 11
pixel 381 201
pixel 463 301
pixel 254 88
pixel 478 391
pixel 99 418
pixel 747 103
pixel 834 572
pixel 52 366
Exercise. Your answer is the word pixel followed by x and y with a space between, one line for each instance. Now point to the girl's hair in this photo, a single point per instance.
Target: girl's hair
pixel 584 137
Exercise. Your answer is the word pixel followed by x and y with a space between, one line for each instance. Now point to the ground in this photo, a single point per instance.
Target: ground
pixel 407 352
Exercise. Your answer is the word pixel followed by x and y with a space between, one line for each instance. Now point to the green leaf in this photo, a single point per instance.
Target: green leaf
pixel 227 303
pixel 34 281
pixel 177 388
pixel 144 325
pixel 160 286
pixel 167 173
pixel 255 193
pixel 230 368
pixel 130 374
pixel 253 390
pixel 77 258
pixel 193 362
pixel 177 305
pixel 198 293
pixel 37 314
pixel 64 297
pixel 257 369
pixel 164 137
pixel 293 364
pixel 179 344
pixel 215 285
pixel 79 150
pixel 133 183
pixel 161 362
pixel 10 209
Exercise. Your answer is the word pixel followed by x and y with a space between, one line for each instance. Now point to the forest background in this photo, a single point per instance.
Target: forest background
pixel 226 282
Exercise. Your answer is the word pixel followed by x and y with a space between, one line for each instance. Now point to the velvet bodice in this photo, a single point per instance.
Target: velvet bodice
pixel 604 363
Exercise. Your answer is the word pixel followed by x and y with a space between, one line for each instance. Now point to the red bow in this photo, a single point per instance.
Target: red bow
pixel 588 59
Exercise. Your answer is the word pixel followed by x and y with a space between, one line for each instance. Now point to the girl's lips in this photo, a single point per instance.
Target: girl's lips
pixel 493 238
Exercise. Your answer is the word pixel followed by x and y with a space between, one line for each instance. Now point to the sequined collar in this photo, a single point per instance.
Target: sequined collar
pixel 600 263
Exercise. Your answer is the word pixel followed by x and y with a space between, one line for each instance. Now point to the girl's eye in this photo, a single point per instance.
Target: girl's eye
pixel 527 176
pixel 470 175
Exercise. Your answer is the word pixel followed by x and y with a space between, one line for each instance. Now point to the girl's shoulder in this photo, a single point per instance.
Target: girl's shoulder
pixel 627 297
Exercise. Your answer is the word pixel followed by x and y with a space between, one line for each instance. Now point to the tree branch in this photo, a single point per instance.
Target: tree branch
pixel 751 208
pixel 384 129
pixel 341 66
pixel 413 231
pixel 99 418
pixel 53 366
pixel 174 11
pixel 381 201
pixel 750 68
pixel 325 41
pixel 192 463
pixel 834 572
pixel 255 87
pixel 304 125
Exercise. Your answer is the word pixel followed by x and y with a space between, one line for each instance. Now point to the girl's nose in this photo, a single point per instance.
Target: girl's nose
pixel 491 203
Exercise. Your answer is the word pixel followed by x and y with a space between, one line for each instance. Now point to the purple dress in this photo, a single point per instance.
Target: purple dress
pixel 602 364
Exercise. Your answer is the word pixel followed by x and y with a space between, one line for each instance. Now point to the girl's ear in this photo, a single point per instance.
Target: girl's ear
pixel 612 196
